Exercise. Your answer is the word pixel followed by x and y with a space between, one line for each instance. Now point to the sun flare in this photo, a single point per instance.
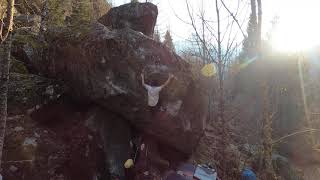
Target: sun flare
pixel 298 28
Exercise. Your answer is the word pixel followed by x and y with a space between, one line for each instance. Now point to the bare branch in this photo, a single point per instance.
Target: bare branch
pixel 8 21
pixel 294 134
pixel 178 16
pixel 229 29
pixel 1 27
pixel 28 6
pixel 196 31
pixel 234 18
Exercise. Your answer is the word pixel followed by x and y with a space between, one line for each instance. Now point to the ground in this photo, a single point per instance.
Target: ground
pixel 53 143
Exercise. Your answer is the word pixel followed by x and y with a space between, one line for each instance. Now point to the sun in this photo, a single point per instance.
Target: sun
pixel 298 28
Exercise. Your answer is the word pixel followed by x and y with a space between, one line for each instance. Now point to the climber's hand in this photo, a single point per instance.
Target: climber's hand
pixel 171 76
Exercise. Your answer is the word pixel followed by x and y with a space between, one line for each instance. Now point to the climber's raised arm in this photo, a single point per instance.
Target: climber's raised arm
pixel 171 76
pixel 142 79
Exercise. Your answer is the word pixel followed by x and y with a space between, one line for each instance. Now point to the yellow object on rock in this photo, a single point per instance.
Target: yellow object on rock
pixel 128 164
pixel 209 70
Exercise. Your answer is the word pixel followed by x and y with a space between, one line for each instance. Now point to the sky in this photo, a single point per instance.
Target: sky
pixel 297 28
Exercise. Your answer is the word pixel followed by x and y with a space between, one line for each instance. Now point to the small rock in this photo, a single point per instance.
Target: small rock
pixel 50 90
pixel 36 135
pixel 60 177
pixel 103 61
pixel 17 117
pixel 38 107
pixel 90 137
pixel 30 141
pixel 13 168
pixel 51 171
pixel 45 131
pixel 174 108
pixel 24 100
pixel 30 111
pixel 95 177
pixel 18 128
pixel 87 151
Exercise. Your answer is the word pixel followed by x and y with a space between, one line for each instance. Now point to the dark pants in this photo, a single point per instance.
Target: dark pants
pixel 129 173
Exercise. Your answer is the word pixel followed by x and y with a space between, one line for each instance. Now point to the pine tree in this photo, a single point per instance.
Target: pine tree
pixel 252 43
pixel 168 41
pixel 249 44
pixel 156 36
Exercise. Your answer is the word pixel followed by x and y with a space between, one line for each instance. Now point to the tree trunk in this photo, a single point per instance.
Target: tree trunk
pixel 5 52
pixel 254 11
pixel 223 129
pixel 7 26
pixel 253 18
pixel 259 27
pixel 44 19
pixel 220 67
pixel 5 49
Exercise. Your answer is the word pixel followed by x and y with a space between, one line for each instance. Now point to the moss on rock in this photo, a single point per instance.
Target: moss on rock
pixel 27 91
pixel 18 67
pixel 22 37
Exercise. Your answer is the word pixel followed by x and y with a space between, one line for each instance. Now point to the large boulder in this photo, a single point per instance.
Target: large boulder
pixel 104 67
pixel 141 17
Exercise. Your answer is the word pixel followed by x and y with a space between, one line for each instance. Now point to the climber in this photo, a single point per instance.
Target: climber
pixel 149 164
pixel 153 91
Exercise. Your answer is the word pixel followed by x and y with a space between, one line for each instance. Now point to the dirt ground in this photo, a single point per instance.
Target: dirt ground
pixel 53 143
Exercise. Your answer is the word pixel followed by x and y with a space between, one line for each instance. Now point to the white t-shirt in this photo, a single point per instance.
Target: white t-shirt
pixel 153 95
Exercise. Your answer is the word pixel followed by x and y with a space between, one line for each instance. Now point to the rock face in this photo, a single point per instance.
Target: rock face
pixel 27 91
pixel 103 66
pixel 116 135
pixel 140 17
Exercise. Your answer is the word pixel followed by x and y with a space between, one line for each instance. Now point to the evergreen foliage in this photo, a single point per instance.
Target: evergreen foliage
pixel 80 12
pixel 156 36
pixel 249 43
pixel 168 41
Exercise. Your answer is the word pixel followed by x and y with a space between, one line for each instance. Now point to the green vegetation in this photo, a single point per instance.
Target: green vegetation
pixel 81 13
pixel 18 66
pixel 56 12
pixel 168 41
pixel 27 38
